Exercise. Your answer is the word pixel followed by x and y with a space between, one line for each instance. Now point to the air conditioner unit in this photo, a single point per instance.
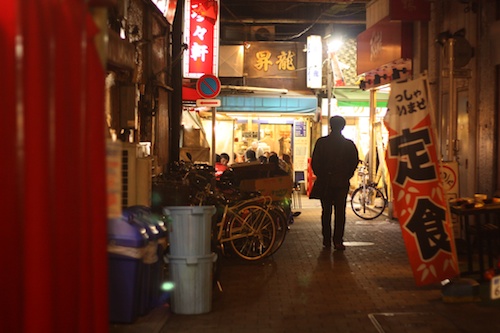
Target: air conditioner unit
pixel 136 176
pixel 262 32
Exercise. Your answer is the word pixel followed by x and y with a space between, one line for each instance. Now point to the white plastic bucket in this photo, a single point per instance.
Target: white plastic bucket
pixel 192 278
pixel 189 230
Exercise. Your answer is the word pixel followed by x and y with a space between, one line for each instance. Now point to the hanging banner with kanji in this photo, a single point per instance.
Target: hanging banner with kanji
pixel 419 199
pixel 201 35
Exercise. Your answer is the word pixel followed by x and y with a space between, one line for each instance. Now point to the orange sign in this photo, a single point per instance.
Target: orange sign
pixel 419 197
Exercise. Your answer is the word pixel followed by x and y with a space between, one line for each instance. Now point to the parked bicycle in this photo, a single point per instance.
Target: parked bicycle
pixel 248 227
pixel 280 210
pixel 367 201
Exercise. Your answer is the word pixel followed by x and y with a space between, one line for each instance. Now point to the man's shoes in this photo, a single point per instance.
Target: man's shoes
pixel 339 247
pixel 327 245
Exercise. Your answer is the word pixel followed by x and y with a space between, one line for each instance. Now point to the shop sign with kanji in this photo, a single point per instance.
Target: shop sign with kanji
pixel 419 197
pixel 201 35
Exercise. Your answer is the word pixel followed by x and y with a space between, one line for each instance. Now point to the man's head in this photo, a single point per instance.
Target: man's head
pixel 250 155
pixel 337 123
pixel 273 159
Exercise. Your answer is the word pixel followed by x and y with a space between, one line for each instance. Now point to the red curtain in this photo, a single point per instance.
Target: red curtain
pixel 53 173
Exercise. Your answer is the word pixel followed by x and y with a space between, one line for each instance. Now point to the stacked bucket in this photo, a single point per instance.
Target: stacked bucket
pixel 190 258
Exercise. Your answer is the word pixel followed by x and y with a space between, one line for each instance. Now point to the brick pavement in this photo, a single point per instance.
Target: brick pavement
pixel 303 288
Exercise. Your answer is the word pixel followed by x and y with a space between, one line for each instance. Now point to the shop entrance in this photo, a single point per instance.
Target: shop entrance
pixel 264 136
pixel 276 138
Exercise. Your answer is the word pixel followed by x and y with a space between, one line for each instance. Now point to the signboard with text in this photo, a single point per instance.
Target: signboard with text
pixel 271 60
pixel 419 195
pixel 201 35
pixel 383 43
pixel 314 62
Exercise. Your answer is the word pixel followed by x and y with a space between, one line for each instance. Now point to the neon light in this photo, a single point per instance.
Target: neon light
pixel 201 31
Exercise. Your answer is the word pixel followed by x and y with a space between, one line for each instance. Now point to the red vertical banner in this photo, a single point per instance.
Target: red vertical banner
pixel 53 171
pixel 11 249
pixel 201 33
pixel 419 198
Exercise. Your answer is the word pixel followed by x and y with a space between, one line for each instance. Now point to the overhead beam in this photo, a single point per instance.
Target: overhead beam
pixel 264 21
pixel 340 2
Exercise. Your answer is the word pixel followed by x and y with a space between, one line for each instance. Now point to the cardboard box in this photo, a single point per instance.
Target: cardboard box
pixel 276 187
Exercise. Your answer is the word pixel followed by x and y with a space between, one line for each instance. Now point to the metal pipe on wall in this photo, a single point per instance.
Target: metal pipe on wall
pixel 452 118
pixel 329 87
pixel 176 109
pixel 373 148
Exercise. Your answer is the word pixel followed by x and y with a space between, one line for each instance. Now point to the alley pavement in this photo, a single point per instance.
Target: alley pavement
pixel 304 288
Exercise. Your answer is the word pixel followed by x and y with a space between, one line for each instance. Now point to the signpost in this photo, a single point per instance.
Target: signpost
pixel 208 102
pixel 208 86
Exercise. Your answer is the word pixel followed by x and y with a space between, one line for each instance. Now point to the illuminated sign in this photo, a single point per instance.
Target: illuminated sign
pixel 314 62
pixel 201 35
pixel 271 60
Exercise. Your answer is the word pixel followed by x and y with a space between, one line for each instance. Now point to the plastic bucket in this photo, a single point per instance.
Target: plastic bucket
pixel 189 230
pixel 192 278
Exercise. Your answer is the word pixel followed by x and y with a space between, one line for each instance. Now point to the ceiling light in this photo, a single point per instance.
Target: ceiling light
pixel 335 44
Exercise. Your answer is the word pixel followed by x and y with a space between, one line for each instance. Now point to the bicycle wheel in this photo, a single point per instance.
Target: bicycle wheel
pixel 368 202
pixel 252 233
pixel 281 221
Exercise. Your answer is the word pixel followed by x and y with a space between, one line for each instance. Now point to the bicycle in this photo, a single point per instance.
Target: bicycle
pixel 246 221
pixel 248 227
pixel 279 210
pixel 367 201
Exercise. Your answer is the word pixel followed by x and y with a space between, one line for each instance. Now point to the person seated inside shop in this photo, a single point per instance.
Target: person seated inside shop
pixel 224 158
pixel 221 164
pixel 288 160
pixel 238 158
pixel 280 166
pixel 256 148
pixel 250 156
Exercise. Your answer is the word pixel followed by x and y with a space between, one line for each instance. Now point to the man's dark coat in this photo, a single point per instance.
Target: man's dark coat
pixel 334 161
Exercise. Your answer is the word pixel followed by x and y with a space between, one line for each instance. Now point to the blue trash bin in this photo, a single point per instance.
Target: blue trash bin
pixel 141 216
pixel 159 272
pixel 126 247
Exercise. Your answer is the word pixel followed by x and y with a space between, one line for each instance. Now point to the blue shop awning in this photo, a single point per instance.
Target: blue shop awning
pixel 268 104
pixel 295 102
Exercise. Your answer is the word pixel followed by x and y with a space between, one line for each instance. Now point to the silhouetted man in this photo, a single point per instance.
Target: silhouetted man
pixel 334 161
